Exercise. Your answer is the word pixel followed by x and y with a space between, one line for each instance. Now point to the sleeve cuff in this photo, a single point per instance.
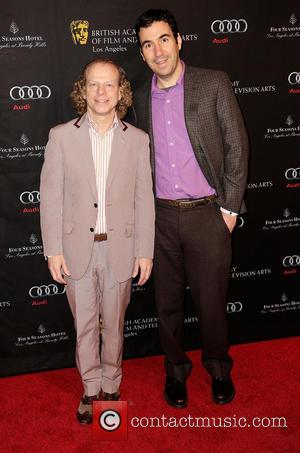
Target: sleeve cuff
pixel 228 212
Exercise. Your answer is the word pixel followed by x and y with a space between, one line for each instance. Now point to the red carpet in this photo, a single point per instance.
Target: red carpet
pixel 38 409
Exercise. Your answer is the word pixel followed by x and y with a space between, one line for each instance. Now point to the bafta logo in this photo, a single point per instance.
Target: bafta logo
pixel 80 31
pixel 289 121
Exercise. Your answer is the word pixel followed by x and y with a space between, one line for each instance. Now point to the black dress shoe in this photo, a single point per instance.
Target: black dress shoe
pixel 222 390
pixel 110 396
pixel 175 392
pixel 85 410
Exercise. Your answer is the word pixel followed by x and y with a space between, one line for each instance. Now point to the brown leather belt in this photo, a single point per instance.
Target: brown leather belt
pixel 188 203
pixel 100 237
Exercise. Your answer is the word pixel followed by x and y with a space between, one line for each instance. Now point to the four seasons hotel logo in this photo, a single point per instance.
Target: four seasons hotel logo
pixel 80 31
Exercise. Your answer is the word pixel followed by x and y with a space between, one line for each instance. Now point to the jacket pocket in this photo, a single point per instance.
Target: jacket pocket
pixel 68 226
pixel 129 230
pixel 223 223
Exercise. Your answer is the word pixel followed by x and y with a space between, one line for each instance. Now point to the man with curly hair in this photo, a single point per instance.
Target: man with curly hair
pixel 97 220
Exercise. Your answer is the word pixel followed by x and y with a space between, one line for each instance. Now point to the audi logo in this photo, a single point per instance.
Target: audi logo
pixel 46 290
pixel 291 261
pixel 292 173
pixel 240 222
pixel 30 197
pixel 229 26
pixel 294 78
pixel 34 92
pixel 234 307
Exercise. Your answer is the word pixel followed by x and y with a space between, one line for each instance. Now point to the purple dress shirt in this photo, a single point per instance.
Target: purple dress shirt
pixel 177 171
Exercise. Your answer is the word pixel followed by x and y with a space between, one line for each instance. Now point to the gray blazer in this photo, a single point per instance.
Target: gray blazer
pixel 216 130
pixel 69 198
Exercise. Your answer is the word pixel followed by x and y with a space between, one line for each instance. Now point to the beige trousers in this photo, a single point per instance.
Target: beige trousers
pixel 97 294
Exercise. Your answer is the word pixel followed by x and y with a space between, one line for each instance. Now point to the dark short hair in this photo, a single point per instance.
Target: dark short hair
pixel 147 18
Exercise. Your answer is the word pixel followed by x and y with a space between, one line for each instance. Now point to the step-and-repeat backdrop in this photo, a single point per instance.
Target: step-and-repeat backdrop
pixel 43 46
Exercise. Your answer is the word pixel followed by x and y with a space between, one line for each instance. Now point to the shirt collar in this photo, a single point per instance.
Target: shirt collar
pixel 93 125
pixel 180 81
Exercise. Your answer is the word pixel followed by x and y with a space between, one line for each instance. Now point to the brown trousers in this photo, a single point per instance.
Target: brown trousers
pixel 193 243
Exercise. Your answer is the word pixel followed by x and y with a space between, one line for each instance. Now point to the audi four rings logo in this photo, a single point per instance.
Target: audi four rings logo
pixel 240 222
pixel 34 92
pixel 46 290
pixel 234 307
pixel 292 173
pixel 229 26
pixel 291 261
pixel 30 197
pixel 294 78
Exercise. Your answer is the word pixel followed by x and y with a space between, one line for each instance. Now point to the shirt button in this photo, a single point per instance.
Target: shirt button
pixel 168 101
pixel 176 186
pixel 171 144
pixel 95 205
pixel 92 230
pixel 173 165
pixel 169 122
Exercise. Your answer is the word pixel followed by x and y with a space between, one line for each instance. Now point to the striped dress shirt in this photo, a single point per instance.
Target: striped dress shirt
pixel 101 149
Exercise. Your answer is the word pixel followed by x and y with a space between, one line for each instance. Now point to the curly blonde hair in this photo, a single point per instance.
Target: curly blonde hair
pixel 78 101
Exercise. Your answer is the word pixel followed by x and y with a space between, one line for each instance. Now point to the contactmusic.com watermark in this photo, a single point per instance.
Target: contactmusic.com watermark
pixel 111 421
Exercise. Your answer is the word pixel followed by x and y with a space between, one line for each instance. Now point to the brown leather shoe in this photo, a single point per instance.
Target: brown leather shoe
pixel 85 409
pixel 110 396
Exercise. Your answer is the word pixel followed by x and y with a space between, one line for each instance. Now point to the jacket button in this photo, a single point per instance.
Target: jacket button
pixel 95 205
pixel 92 230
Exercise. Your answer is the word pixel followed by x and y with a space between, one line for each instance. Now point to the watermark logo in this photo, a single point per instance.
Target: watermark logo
pixel 110 420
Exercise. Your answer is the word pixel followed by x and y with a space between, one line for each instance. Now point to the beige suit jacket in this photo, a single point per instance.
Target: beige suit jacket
pixel 69 198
